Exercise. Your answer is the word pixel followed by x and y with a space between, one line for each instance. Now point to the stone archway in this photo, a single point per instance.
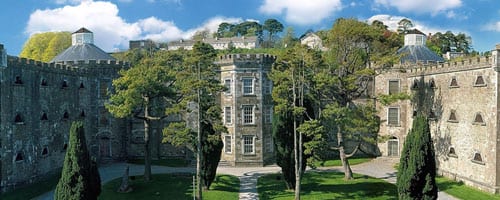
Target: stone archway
pixel 393 147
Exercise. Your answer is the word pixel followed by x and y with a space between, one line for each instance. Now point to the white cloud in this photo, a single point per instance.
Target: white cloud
pixel 495 26
pixel 392 23
pixel 301 12
pixel 421 6
pixel 110 30
pixel 73 2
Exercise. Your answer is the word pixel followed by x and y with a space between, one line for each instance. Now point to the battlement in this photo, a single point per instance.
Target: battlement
pixel 430 67
pixel 246 58
pixel 80 67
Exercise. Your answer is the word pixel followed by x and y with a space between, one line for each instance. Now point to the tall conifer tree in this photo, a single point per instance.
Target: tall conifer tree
pixel 79 179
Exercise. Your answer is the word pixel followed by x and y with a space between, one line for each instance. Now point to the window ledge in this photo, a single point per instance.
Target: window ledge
pixel 480 85
pixel 452 155
pixel 453 121
pixel 479 124
pixel 478 162
pixel 249 154
pixel 453 86
pixel 248 124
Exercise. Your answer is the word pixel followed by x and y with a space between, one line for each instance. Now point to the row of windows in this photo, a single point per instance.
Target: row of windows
pixel 247 86
pixel 478 118
pixel 45 152
pixel 20 119
pixel 64 83
pixel 247 114
pixel 248 144
pixel 394 85
pixel 393 117
pixel 477 158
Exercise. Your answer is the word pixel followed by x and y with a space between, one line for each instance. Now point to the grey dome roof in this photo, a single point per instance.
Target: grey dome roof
pixel 418 53
pixel 82 52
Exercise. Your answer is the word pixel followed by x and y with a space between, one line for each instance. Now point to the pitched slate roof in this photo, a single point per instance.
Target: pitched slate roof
pixel 82 52
pixel 418 53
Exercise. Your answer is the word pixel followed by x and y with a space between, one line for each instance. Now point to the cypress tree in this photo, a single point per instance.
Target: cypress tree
pixel 211 149
pixel 417 166
pixel 80 178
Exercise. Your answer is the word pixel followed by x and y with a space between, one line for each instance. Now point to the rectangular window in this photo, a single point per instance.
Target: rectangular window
pixel 227 84
pixel 393 86
pixel 247 85
pixel 247 113
pixel 227 144
pixel 268 86
pixel 248 144
pixel 393 116
pixel 227 115
pixel 269 143
pixel 268 115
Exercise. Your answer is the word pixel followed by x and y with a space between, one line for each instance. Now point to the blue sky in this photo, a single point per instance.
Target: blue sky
pixel 116 22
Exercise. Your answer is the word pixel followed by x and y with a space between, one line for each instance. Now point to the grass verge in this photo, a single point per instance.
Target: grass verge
pixel 172 186
pixel 168 162
pixel 33 190
pixel 327 185
pixel 336 162
pixel 463 191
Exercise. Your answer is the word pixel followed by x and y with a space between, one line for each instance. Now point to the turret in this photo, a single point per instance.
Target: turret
pixel 3 56
pixel 82 36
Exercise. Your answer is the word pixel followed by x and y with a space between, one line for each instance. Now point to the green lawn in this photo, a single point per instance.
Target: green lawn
pixel 168 162
pixel 463 191
pixel 172 186
pixel 33 190
pixel 336 162
pixel 327 185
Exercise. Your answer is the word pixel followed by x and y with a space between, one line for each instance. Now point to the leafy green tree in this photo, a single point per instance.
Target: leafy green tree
pixel 344 78
pixel 294 129
pixel 404 25
pixel 198 88
pixel 417 165
pixel 272 26
pixel 143 92
pixel 45 46
pixel 448 42
pixel 225 30
pixel 80 178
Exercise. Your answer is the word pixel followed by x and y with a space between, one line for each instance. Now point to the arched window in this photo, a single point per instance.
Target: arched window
pixel 82 113
pixel 19 156
pixel 44 117
pixel 44 82
pixel 81 85
pixel 432 84
pixel 453 116
pixel 478 158
pixel 18 119
pixel 64 84
pixel 453 82
pixel 45 151
pixel 18 80
pixel 478 119
pixel 479 81
pixel 66 115
pixel 451 152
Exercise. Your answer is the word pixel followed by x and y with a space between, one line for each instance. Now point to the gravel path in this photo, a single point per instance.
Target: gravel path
pixel 380 168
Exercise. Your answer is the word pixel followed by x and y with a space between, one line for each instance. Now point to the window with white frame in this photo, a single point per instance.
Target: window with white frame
pixel 247 114
pixel 268 115
pixel 247 84
pixel 227 144
pixel 227 115
pixel 248 144
pixel 393 116
pixel 227 85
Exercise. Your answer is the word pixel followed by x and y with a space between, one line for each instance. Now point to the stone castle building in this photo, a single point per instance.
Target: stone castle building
pixel 247 109
pixel 39 101
pixel 465 114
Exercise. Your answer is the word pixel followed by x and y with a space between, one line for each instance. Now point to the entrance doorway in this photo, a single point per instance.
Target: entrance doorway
pixel 393 147
pixel 105 147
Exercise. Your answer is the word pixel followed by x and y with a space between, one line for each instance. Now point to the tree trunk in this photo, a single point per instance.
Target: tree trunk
pixel 343 156
pixel 147 151
pixel 296 146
